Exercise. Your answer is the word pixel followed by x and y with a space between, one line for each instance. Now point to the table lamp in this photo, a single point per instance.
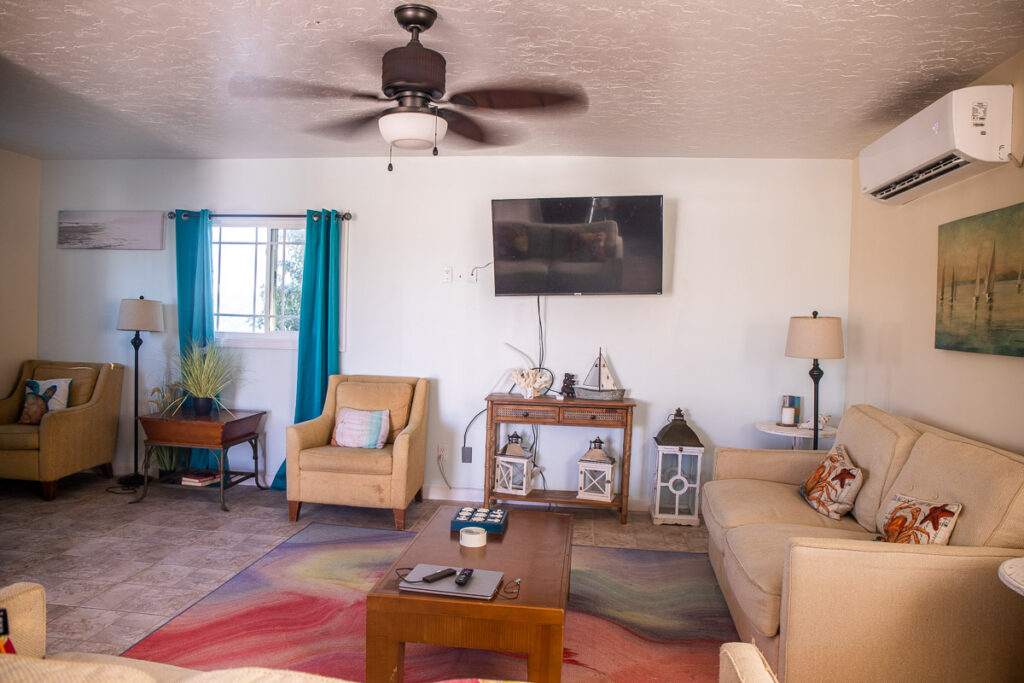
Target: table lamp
pixel 138 315
pixel 814 337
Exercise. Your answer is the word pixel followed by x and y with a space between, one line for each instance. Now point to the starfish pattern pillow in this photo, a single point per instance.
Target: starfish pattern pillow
pixel 912 520
pixel 834 485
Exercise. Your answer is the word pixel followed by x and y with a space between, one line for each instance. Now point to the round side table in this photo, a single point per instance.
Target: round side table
pixel 1011 573
pixel 795 433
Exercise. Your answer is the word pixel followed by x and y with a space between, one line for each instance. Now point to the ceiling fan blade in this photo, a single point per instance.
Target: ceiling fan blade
pixel 460 124
pixel 345 128
pixel 520 98
pixel 259 86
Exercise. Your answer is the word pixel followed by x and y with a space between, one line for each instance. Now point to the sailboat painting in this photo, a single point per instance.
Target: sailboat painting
pixel 980 298
pixel 599 383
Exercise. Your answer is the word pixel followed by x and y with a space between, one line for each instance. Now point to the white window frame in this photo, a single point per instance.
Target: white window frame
pixel 284 339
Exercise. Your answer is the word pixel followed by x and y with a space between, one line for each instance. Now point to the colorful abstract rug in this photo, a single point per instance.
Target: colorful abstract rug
pixel 633 615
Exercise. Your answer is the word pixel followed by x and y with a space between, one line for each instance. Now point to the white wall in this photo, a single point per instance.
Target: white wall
pixel 893 273
pixel 748 243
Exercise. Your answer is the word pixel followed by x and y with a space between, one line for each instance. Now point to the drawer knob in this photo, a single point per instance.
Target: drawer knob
pixel 593 417
pixel 526 413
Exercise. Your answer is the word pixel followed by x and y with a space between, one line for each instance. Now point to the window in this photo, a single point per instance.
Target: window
pixel 257 278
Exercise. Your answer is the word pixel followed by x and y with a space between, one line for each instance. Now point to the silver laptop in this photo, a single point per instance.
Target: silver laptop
pixel 481 586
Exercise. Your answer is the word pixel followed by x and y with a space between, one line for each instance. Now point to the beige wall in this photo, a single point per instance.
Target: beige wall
pixel 893 362
pixel 19 263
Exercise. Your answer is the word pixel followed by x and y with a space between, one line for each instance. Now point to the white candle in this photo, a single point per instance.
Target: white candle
pixel 788 416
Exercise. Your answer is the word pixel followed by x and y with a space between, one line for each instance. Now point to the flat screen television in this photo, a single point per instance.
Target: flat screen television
pixel 577 245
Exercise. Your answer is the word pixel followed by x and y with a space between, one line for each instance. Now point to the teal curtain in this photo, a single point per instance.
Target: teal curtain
pixel 194 252
pixel 319 319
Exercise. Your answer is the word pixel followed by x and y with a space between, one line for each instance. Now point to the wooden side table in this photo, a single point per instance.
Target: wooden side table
pixel 217 432
pixel 570 412
pixel 795 433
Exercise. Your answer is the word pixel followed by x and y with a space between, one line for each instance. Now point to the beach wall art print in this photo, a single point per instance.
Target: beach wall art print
pixel 110 230
pixel 980 283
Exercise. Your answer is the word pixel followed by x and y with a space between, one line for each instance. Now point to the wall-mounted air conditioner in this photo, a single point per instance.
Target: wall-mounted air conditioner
pixel 964 133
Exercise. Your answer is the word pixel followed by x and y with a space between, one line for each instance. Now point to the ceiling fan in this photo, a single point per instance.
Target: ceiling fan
pixel 413 77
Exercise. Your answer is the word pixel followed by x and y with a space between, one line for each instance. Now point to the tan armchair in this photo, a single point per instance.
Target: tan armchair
pixel 66 441
pixel 387 477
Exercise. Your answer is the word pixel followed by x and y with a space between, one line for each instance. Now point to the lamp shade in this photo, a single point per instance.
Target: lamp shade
pixel 814 337
pixel 412 129
pixel 142 315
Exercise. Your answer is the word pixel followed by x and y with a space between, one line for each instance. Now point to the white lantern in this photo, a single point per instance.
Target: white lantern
pixel 676 498
pixel 596 480
pixel 513 468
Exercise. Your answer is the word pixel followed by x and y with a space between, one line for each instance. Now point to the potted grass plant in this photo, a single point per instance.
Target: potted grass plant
pixel 162 398
pixel 205 372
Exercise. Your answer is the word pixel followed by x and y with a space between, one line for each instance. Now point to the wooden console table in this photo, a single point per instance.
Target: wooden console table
pixel 217 432
pixel 570 412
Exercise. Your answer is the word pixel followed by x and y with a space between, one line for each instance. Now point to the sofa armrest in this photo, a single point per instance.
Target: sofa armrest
pixel 298 437
pixel 892 611
pixel 26 612
pixel 743 663
pixel 785 466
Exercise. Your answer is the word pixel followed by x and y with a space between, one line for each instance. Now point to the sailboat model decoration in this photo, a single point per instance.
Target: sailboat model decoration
pixel 599 383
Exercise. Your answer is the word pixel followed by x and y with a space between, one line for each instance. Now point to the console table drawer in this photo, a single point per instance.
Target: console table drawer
pixel 510 413
pixel 610 417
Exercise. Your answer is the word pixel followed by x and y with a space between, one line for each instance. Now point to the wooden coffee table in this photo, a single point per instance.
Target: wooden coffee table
pixel 536 547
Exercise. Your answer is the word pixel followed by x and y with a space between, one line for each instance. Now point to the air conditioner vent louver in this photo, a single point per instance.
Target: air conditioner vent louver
pixel 940 167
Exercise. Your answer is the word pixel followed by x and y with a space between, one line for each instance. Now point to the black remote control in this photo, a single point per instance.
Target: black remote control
pixel 463 578
pixel 438 575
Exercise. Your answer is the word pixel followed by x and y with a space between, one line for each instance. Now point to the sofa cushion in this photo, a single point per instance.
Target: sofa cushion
pixel 878 443
pixel 83 380
pixel 989 482
pixel 730 503
pixel 346 460
pixel 393 396
pixel 754 556
pixel 19 437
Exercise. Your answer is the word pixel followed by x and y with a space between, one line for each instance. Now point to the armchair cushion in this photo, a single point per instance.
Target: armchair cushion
pixel 19 437
pixel 347 460
pixel 83 380
pixel 393 396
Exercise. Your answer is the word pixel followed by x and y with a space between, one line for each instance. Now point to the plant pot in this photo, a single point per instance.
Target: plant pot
pixel 202 405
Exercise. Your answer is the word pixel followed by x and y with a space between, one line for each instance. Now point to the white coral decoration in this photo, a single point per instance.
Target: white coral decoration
pixel 529 382
pixel 809 424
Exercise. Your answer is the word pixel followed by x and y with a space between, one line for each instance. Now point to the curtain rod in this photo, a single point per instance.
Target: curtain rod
pixel 189 214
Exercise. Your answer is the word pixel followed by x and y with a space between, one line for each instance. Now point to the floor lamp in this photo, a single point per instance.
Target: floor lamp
pixel 138 315
pixel 814 337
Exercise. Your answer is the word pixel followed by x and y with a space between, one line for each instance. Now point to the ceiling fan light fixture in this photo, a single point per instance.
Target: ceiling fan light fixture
pixel 412 129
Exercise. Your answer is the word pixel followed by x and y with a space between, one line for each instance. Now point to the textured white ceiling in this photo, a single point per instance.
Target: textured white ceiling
pixel 732 78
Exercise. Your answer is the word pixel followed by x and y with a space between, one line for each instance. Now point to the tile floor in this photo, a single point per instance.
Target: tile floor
pixel 115 572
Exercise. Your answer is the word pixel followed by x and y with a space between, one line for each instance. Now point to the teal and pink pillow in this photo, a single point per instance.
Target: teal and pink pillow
pixel 43 396
pixel 361 428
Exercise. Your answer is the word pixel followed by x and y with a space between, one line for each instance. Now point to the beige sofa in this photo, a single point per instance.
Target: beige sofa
pixel 67 441
pixel 824 601
pixel 26 613
pixel 388 477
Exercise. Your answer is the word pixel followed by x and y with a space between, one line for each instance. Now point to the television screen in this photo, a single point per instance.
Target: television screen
pixel 577 245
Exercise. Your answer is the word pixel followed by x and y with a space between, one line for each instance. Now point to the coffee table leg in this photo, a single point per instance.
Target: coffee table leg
pixel 544 661
pixel 385 657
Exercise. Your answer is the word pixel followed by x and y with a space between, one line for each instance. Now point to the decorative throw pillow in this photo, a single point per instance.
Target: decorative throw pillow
pixel 832 488
pixel 588 247
pixel 912 520
pixel 6 645
pixel 361 428
pixel 43 396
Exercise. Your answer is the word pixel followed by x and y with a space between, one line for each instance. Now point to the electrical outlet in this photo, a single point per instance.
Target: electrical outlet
pixel 446 275
pixel 442 452
pixel 467 454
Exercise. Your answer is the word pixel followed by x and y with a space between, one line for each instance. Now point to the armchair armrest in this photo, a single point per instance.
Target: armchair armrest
pixel 298 437
pixel 743 663
pixel 897 612
pixel 26 611
pixel 785 466
pixel 73 439
pixel 410 450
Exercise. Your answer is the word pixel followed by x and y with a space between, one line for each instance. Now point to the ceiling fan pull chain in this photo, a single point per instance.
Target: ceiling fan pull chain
pixel 390 167
pixel 435 131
